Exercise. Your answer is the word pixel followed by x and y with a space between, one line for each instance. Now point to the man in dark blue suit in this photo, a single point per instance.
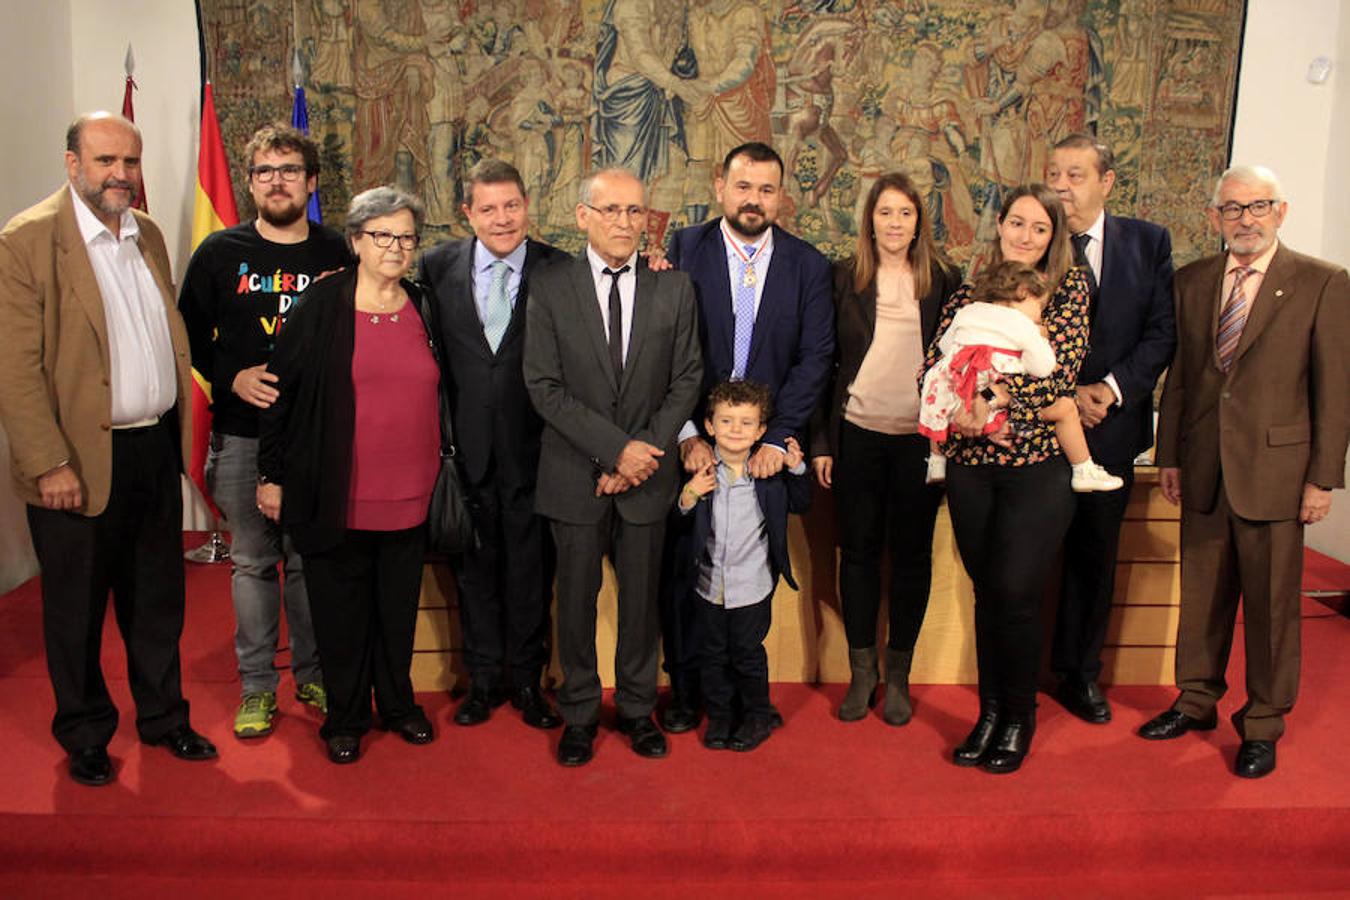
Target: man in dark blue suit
pixel 481 285
pixel 765 314
pixel 1133 335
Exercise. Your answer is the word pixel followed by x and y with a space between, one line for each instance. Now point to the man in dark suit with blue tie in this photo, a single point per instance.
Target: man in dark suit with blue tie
pixel 1133 335
pixel 506 584
pixel 766 314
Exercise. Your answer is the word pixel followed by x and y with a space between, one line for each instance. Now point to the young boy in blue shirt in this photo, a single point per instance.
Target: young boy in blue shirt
pixel 740 549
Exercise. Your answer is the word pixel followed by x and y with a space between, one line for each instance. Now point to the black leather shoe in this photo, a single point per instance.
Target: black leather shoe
pixel 91 766
pixel 972 750
pixel 646 738
pixel 1085 700
pixel 576 746
pixel 718 734
pixel 478 706
pixel 1011 745
pixel 185 743
pixel 344 748
pixel 753 732
pixel 681 715
pixel 1255 759
pixel 416 730
pixel 1173 724
pixel 535 708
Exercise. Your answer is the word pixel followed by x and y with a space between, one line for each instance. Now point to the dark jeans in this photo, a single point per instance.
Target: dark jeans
pixel 883 503
pixel 363 599
pixel 1009 523
pixel 1089 579
pixel 135 549
pixel 635 551
pixel 732 661
pixel 506 586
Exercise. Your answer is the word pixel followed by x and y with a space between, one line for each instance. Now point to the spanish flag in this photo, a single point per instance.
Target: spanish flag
pixel 212 210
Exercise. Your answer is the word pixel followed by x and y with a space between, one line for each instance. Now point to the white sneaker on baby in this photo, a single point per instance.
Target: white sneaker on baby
pixel 937 469
pixel 1088 476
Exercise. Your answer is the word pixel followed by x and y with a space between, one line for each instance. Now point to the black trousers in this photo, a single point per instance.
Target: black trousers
pixel 635 551
pixel 135 549
pixel 363 599
pixel 506 586
pixel 884 504
pixel 1009 522
pixel 1089 580
pixel 679 611
pixel 732 663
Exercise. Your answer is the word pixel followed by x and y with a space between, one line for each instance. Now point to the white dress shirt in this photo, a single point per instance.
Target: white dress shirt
pixel 144 380
pixel 627 291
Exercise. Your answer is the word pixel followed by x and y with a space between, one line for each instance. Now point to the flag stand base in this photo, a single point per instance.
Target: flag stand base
pixel 215 550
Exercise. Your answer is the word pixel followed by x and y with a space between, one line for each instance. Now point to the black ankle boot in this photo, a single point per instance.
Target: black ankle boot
pixel 972 750
pixel 1011 745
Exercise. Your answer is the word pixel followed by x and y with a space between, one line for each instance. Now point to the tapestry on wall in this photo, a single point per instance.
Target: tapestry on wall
pixel 965 96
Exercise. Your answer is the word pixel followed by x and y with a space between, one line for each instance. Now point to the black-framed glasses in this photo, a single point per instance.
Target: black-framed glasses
pixel 612 212
pixel 288 172
pixel 1258 208
pixel 385 239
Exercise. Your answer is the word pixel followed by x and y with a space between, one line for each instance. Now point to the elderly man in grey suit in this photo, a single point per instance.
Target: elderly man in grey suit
pixel 612 365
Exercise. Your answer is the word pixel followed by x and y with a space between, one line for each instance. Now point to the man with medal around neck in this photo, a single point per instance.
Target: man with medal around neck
pixel 765 314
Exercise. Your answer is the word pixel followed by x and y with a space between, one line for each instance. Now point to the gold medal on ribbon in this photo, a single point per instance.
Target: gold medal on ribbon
pixel 749 279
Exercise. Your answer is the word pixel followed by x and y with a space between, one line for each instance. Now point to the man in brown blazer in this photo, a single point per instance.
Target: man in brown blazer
pixel 1252 437
pixel 95 396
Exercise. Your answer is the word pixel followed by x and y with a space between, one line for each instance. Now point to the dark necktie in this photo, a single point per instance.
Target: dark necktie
pixel 615 321
pixel 1080 258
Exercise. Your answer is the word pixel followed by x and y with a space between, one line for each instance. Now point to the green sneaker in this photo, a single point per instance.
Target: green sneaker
pixel 313 694
pixel 254 718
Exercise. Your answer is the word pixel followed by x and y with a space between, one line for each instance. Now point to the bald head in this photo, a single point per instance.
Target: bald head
pixel 77 127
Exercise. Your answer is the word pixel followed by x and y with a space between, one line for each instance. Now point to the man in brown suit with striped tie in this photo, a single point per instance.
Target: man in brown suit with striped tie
pixel 1252 437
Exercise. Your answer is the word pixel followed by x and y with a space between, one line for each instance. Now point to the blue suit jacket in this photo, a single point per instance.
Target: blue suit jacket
pixel 1133 333
pixel 792 350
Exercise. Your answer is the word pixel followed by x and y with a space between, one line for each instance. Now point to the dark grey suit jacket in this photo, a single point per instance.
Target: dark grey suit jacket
pixel 588 417
pixel 492 414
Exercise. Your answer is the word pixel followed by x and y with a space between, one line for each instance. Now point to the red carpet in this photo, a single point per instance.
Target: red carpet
pixel 822 810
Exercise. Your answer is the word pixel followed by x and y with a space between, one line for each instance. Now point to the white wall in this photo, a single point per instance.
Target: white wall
pixel 1302 131
pixel 34 111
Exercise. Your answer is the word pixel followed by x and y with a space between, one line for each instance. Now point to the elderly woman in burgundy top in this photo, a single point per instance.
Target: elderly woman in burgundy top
pixel 347 462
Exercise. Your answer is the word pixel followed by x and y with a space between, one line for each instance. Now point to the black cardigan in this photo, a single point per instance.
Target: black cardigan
pixel 305 442
pixel 855 324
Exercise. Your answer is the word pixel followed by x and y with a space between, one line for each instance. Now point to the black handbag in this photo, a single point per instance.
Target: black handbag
pixel 450 527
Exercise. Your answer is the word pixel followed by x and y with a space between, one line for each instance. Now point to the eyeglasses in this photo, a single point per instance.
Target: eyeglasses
pixel 385 239
pixel 612 212
pixel 288 172
pixel 1258 208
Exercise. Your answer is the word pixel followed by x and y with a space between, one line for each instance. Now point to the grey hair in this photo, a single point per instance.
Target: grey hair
pixel 588 183
pixel 1258 175
pixel 381 201
pixel 76 128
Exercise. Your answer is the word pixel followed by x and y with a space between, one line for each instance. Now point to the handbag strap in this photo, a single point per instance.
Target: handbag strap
pixel 420 295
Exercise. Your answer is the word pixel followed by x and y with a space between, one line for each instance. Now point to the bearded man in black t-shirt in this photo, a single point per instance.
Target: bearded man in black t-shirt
pixel 239 287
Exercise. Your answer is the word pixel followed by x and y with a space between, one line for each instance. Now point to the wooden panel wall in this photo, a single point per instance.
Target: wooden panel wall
pixel 807 640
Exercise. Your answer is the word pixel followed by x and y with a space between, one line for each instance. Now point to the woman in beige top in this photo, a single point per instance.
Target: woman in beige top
pixel 865 444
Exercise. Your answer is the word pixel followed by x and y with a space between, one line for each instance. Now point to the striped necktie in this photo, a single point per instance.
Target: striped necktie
pixel 1233 318
pixel 498 313
pixel 745 313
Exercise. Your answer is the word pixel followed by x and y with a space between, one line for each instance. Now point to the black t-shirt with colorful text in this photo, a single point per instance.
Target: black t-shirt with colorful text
pixel 237 292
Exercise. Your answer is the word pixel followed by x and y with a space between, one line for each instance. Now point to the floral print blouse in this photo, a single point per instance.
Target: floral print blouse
pixel 1033 440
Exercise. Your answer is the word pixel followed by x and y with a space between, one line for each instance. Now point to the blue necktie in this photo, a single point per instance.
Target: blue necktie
pixel 745 314
pixel 498 314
